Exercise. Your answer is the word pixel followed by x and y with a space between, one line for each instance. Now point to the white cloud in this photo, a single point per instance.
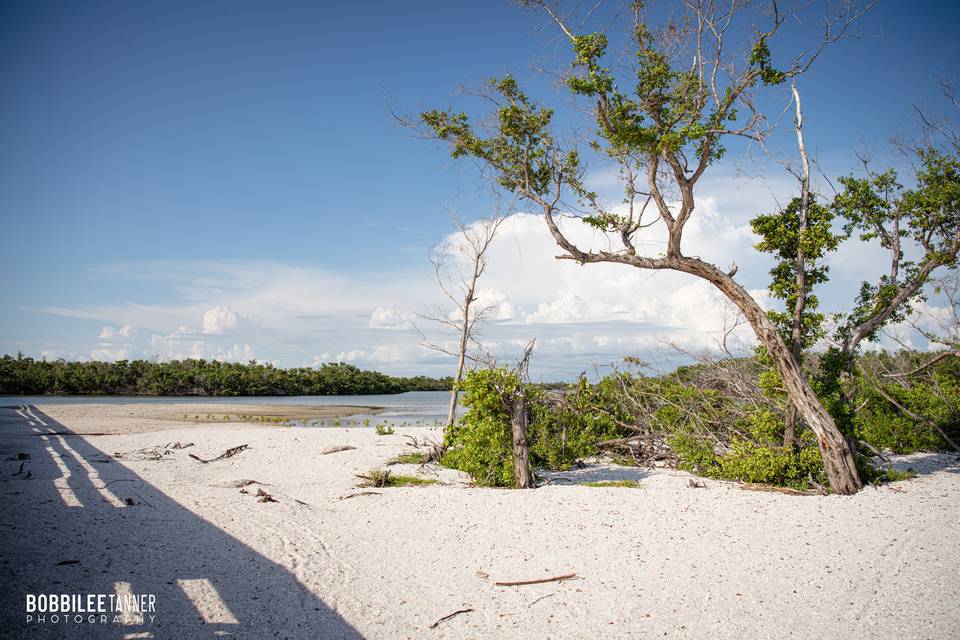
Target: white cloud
pixel 579 314
pixel 218 320
pixel 351 356
pixel 496 305
pixel 389 318
pixel 236 353
pixel 110 333
pixel 107 353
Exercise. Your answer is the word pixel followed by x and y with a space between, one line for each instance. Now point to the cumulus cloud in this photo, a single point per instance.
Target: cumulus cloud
pixel 497 305
pixel 579 314
pixel 389 318
pixel 218 320
pixel 236 353
pixel 108 353
pixel 110 333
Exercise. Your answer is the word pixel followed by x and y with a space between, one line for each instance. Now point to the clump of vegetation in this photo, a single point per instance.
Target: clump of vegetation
pixel 409 458
pixel 757 455
pixel 715 419
pixel 381 478
pixel 480 442
pixel 894 475
pixel 385 430
pixel 626 484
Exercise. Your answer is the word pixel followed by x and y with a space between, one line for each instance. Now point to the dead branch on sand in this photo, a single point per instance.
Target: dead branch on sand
pixel 335 448
pixel 360 493
pixel 229 453
pixel 448 616
pixel 520 583
pixel 263 496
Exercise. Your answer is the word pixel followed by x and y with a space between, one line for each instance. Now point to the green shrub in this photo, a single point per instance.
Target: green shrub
pixel 759 458
pixel 886 427
pixel 480 442
pixel 561 433
pixel 385 430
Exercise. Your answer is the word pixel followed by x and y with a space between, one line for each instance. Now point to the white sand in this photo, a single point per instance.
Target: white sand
pixel 663 560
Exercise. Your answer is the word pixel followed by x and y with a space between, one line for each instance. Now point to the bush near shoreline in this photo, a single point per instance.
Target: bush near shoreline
pixel 714 419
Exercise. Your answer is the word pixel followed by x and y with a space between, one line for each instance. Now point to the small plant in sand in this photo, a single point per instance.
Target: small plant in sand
pixel 380 478
pixel 626 484
pixel 409 458
pixel 385 430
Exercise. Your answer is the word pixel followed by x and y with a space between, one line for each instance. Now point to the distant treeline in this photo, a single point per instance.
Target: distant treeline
pixel 26 376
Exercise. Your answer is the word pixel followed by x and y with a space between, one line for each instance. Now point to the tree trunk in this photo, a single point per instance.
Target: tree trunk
pixel 790 426
pixel 452 413
pixel 799 306
pixel 838 459
pixel 523 479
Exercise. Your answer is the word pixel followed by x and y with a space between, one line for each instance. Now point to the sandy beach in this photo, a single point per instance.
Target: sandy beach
pixel 128 512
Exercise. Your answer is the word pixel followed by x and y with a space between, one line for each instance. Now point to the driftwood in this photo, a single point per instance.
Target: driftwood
pixel 147 454
pixel 519 583
pixel 360 493
pixel 696 484
pixel 335 448
pixel 229 453
pixel 448 616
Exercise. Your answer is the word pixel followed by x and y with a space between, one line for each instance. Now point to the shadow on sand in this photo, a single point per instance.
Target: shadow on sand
pixel 68 529
pixel 926 463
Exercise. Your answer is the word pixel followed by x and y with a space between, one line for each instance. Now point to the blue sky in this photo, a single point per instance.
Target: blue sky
pixel 228 173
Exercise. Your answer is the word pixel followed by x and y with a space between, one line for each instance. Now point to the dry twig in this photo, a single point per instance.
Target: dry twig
pixel 519 583
pixel 448 616
pixel 229 453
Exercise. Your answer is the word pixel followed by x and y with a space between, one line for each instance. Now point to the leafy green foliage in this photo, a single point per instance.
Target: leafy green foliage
pixel 887 427
pixel 521 149
pixel 26 376
pixel 384 430
pixel 782 236
pixel 927 215
pixel 561 433
pixel 698 413
pixel 480 442
pixel 758 456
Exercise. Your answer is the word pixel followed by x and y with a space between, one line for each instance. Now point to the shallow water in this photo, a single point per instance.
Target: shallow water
pixel 414 408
